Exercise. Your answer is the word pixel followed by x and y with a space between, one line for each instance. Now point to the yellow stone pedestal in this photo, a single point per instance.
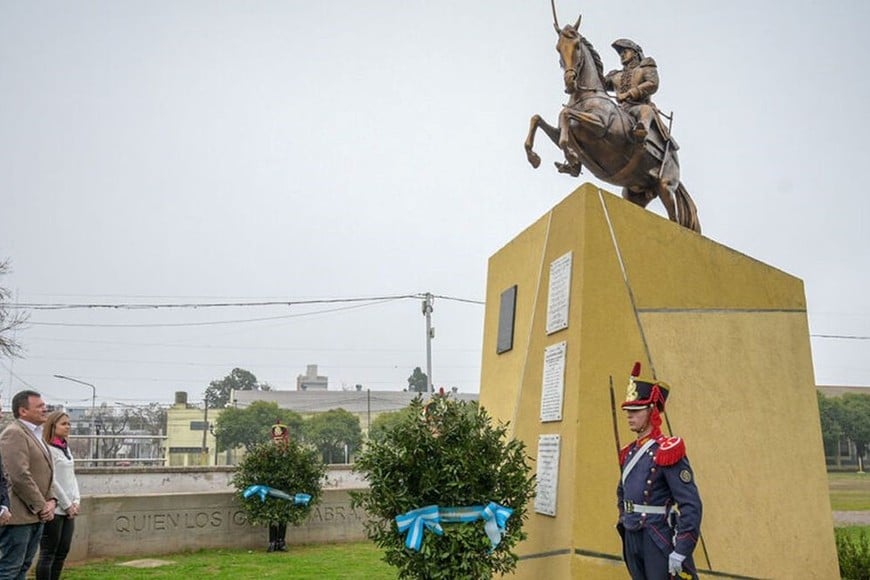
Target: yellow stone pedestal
pixel 728 333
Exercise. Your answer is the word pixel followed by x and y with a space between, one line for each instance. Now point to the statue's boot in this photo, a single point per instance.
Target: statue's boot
pixel 639 132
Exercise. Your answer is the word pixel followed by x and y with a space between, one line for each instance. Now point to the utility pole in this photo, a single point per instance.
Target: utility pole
pixel 428 299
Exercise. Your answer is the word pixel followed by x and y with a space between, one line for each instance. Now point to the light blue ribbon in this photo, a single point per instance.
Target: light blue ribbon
pixel 495 519
pixel 264 490
pixel 414 522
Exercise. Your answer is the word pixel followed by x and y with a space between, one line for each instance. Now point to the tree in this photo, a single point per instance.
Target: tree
pixel 250 426
pixel 284 466
pixel 830 411
pixel 150 418
pixel 386 422
pixel 9 321
pixel 418 382
pixel 217 395
pixel 855 420
pixel 331 431
pixel 449 454
pixel 108 422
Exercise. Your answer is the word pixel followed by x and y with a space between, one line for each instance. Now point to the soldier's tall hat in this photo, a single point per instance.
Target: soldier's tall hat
pixel 642 393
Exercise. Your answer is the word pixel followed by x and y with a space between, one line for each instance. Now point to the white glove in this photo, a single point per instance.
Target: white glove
pixel 675 563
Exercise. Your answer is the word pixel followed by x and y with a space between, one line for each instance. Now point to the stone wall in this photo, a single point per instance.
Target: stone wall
pixel 144 480
pixel 139 511
pixel 132 525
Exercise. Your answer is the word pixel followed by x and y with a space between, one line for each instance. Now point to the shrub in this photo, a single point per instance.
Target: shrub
pixel 853 550
pixel 285 466
pixel 449 454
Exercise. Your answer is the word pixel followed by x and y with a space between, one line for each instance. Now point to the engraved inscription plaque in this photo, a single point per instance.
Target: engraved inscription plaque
pixel 553 386
pixel 559 295
pixel 547 474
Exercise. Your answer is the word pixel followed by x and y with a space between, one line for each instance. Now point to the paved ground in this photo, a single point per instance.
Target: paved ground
pixel 852 518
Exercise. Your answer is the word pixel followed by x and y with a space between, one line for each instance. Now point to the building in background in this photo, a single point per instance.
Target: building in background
pixel 311 381
pixel 189 439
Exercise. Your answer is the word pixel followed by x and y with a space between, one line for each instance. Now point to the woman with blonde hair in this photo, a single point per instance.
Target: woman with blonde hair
pixel 57 534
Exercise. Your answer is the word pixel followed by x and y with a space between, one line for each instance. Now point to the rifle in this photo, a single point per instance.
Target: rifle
pixel 613 416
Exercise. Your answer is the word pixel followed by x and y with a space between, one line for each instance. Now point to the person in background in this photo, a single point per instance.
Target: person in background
pixel 29 472
pixel 278 530
pixel 57 534
pixel 5 514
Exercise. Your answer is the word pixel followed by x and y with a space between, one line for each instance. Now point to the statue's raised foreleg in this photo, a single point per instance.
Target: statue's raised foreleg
pixel 552 132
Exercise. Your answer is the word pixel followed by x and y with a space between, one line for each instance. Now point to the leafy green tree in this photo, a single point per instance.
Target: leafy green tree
pixel 418 382
pixel 855 420
pixel 830 410
pixel 446 453
pixel 331 431
pixel 217 394
pixel 9 321
pixel 386 422
pixel 251 426
pixel 286 466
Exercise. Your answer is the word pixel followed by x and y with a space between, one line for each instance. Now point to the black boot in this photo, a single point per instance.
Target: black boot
pixel 281 532
pixel 273 538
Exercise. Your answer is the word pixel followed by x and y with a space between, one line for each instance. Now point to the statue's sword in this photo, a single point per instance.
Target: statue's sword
pixel 667 143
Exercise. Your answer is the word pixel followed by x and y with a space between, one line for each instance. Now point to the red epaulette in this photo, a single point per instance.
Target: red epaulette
pixel 670 451
pixel 623 453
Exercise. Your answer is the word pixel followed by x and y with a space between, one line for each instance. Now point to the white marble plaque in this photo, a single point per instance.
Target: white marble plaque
pixel 553 385
pixel 559 293
pixel 547 474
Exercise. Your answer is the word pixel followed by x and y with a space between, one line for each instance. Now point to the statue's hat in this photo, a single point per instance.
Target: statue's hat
pixel 642 393
pixel 622 43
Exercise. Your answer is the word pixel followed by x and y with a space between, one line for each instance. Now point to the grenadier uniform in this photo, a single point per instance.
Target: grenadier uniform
pixel 659 505
pixel 280 434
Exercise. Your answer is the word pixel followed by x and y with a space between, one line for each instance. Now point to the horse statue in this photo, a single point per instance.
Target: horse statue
pixel 596 132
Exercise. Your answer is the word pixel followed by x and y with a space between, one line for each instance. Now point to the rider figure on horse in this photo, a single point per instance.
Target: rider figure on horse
pixel 634 85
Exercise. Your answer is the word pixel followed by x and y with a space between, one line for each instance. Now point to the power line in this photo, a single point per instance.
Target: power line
pixel 209 323
pixel 841 336
pixel 183 305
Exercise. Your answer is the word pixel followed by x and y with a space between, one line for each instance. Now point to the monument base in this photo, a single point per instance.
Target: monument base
pixel 597 284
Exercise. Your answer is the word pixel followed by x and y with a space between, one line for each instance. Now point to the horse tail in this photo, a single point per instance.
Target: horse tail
pixel 687 213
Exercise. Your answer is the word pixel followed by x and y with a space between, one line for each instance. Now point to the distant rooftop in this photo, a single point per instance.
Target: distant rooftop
pixel 352 401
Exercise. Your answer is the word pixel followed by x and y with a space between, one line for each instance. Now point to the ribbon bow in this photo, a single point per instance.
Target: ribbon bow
pixel 415 521
pixel 495 519
pixel 264 490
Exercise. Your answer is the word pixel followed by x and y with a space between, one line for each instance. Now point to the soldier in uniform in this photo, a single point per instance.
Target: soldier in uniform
pixel 280 435
pixel 634 85
pixel 658 501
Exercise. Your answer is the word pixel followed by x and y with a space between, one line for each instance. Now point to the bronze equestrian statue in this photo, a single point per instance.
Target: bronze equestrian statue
pixel 625 142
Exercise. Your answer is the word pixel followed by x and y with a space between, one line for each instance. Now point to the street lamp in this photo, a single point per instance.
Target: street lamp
pixel 93 407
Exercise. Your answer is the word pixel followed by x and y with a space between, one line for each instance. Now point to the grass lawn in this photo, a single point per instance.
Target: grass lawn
pixel 849 491
pixel 317 562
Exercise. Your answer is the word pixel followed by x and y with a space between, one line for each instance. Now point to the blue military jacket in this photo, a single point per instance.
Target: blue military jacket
pixel 659 475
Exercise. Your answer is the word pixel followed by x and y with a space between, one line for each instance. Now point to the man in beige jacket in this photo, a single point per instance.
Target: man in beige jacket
pixel 29 471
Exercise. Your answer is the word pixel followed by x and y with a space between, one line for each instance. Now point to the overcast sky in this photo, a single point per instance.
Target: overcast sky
pixel 198 152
